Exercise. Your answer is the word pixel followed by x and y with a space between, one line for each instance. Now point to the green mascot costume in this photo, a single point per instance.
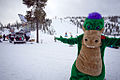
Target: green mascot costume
pixel 89 64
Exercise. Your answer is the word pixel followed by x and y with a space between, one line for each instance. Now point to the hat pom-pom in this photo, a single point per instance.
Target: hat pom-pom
pixel 94 15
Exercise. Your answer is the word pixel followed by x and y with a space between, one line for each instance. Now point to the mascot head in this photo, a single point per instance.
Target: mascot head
pixel 93 27
pixel 94 21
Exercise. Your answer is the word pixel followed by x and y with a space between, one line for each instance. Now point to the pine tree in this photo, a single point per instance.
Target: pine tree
pixel 1 26
pixel 39 13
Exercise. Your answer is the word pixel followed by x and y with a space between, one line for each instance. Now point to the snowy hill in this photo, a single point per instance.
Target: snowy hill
pixel 49 60
pixel 62 26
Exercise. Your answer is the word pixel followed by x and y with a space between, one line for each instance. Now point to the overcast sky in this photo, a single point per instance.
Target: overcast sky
pixel 9 9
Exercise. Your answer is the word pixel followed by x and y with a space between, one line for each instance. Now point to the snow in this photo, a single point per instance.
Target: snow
pixel 35 61
pixel 112 57
pixel 6 31
pixel 48 60
pixel 64 25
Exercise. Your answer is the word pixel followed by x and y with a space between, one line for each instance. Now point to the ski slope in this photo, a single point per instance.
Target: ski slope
pixel 48 60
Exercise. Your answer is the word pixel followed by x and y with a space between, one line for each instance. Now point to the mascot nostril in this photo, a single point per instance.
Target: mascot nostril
pixel 86 39
pixel 89 64
pixel 96 41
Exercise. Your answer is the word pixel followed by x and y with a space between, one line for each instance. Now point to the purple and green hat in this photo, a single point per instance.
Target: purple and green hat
pixel 94 21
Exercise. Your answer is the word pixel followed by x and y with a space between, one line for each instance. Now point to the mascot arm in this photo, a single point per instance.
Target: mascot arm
pixel 70 41
pixel 112 41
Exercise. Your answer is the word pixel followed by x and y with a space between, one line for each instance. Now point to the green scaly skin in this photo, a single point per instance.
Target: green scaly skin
pixel 94 23
pixel 106 42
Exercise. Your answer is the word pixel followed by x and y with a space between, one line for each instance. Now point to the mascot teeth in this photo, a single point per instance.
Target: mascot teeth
pixel 90 46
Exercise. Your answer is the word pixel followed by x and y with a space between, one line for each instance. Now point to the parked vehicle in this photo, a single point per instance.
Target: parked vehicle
pixel 11 38
pixel 27 35
pixel 19 38
pixel 0 36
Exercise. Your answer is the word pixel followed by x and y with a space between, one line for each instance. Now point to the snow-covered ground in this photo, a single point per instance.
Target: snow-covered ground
pixel 49 60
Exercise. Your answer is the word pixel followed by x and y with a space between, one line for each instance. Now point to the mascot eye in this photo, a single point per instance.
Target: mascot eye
pixel 88 27
pixel 98 27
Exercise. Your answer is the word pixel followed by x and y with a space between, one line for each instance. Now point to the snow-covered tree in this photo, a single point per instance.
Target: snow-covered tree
pixel 39 13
